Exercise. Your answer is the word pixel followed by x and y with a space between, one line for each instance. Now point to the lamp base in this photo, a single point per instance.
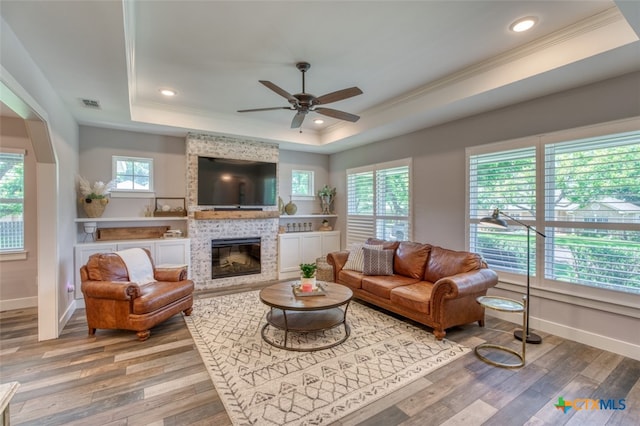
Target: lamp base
pixel 531 337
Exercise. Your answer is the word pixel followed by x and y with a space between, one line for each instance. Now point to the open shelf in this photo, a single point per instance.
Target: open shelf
pixel 129 219
pixel 306 216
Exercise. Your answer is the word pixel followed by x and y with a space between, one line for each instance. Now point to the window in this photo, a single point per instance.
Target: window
pixel 302 184
pixel 504 180
pixel 132 174
pixel 11 200
pixel 584 194
pixel 379 202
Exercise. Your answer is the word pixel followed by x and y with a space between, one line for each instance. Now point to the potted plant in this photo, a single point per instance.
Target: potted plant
pixel 308 276
pixel 94 197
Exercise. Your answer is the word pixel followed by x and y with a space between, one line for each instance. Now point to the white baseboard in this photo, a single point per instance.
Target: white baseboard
pixel 67 315
pixel 25 302
pixel 581 336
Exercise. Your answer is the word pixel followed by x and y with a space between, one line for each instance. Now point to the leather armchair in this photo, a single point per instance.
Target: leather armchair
pixel 113 302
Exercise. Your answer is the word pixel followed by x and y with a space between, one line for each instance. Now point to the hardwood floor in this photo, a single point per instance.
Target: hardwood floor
pixel 113 379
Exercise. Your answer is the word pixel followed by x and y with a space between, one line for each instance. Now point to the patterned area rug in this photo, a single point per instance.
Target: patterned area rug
pixel 260 384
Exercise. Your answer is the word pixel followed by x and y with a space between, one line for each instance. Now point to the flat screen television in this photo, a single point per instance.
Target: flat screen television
pixel 228 182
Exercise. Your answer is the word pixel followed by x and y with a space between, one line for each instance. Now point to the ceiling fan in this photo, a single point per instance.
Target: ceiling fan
pixel 304 102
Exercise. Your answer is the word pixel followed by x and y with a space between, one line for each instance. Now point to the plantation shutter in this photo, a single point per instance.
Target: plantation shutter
pixel 378 202
pixel 592 193
pixel 507 181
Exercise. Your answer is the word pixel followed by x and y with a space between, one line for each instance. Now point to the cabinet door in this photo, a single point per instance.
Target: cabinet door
pixel 311 247
pixel 83 252
pixel 149 245
pixel 289 253
pixel 173 252
pixel 330 242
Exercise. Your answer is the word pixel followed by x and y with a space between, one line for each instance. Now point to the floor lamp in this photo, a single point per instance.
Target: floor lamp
pixel 494 221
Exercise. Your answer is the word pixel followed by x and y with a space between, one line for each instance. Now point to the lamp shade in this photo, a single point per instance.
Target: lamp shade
pixel 494 221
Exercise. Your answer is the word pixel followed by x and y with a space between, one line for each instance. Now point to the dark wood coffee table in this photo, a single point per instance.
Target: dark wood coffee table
pixel 305 314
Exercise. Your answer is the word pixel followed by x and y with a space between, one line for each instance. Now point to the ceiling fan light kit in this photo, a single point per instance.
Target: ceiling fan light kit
pixel 304 102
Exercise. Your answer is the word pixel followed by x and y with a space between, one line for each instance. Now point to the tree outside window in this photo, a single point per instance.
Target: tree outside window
pixel 11 201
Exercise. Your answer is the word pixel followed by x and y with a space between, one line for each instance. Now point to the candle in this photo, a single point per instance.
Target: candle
pixel 306 287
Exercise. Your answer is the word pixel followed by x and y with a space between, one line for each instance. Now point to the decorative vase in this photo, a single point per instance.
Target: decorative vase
pixel 94 207
pixel 307 284
pixel 290 208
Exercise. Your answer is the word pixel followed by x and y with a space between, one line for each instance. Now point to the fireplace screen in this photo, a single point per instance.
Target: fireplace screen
pixel 232 257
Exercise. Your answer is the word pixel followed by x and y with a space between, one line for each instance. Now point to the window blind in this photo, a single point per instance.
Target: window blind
pixel 504 180
pixel 592 196
pixel 378 202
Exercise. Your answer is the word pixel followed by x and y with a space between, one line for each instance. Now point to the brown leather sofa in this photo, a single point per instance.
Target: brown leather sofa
pixel 113 302
pixel 431 285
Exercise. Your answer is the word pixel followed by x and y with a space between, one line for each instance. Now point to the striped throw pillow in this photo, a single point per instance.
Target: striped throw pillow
pixel 355 261
pixel 378 262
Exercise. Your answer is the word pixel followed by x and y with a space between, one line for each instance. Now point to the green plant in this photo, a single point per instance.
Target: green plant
pixel 308 270
pixel 327 192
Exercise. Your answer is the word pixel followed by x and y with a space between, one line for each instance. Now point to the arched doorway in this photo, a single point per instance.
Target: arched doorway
pixel 15 98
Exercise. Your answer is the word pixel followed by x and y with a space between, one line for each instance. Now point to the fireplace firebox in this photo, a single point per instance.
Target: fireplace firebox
pixel 235 256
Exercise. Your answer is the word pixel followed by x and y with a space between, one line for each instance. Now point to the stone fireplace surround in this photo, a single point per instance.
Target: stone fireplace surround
pixel 202 231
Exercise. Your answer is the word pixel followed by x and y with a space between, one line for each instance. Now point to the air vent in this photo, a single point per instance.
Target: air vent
pixel 91 103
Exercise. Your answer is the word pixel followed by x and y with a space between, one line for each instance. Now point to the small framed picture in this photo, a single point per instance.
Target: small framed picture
pixel 170 206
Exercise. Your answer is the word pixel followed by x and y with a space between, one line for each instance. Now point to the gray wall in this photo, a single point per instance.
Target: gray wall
pixel 439 195
pixel 439 152
pixel 18 278
pixel 290 160
pixel 98 145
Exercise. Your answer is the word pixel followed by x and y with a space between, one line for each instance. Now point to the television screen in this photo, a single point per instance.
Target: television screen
pixel 229 182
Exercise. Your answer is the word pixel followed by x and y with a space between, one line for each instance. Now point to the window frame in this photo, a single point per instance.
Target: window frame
pixel 310 186
pixel 606 299
pixel 131 193
pixel 16 253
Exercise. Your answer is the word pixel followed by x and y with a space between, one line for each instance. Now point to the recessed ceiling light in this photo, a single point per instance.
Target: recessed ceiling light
pixel 318 121
pixel 523 24
pixel 168 92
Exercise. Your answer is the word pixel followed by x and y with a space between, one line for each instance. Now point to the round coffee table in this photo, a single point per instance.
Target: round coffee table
pixel 305 314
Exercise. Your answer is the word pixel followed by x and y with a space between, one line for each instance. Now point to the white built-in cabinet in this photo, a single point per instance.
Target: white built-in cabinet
pixel 164 251
pixel 303 247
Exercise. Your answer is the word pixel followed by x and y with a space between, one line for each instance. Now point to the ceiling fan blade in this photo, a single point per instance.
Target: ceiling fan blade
pixel 338 95
pixel 337 114
pixel 262 109
pixel 280 91
pixel 297 120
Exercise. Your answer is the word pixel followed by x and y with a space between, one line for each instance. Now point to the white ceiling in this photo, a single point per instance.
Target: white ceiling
pixel 418 63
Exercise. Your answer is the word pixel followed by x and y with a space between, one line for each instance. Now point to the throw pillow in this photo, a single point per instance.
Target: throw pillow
pixel 355 261
pixel 377 262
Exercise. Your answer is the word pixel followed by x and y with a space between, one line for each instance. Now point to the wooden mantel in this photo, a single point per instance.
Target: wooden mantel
pixel 235 214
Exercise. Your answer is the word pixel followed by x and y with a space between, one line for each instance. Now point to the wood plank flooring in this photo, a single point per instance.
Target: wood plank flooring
pixel 113 379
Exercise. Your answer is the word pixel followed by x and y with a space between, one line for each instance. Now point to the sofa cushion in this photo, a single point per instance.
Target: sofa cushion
pixel 415 297
pixel 156 295
pixel 410 259
pixel 377 262
pixel 350 278
pixel 445 263
pixel 381 286
pixel 355 262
